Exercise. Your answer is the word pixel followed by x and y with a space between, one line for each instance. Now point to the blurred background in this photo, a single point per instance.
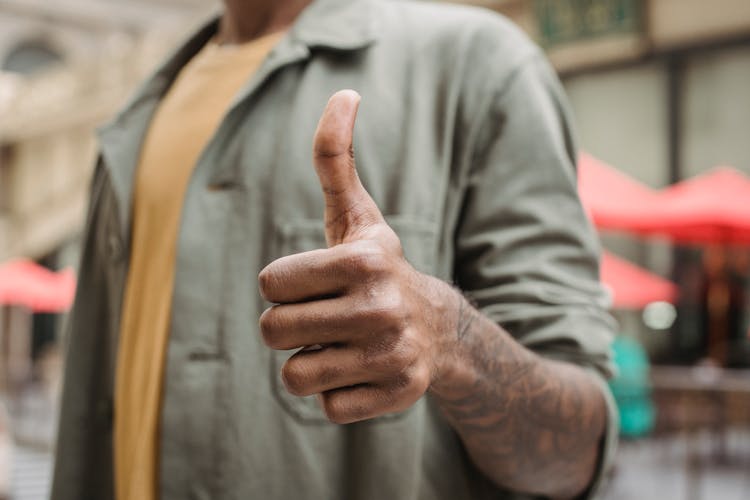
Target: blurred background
pixel 661 93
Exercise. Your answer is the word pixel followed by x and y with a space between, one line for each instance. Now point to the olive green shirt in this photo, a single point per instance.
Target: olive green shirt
pixel 463 139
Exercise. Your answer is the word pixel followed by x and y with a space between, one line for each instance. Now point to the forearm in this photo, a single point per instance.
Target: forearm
pixel 530 424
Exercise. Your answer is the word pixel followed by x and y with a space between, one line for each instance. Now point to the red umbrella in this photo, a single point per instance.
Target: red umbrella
pixel 613 199
pixel 711 208
pixel 633 287
pixel 25 283
pixel 616 201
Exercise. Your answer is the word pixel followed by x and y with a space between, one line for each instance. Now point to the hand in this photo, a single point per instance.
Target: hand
pixel 372 329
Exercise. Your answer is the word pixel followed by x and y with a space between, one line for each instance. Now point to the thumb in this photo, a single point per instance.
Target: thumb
pixel 349 209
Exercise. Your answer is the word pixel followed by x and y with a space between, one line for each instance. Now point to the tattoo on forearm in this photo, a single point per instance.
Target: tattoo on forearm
pixel 525 420
pixel 465 317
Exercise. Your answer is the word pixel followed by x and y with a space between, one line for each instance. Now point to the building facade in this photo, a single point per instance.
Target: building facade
pixel 64 68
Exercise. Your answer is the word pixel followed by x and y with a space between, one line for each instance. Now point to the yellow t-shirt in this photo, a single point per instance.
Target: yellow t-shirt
pixel 182 126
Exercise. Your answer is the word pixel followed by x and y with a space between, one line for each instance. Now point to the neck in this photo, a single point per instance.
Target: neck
pixel 245 20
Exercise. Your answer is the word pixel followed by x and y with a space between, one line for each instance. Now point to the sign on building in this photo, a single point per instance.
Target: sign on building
pixel 563 21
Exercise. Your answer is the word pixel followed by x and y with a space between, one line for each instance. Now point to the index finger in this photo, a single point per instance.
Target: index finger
pixel 315 274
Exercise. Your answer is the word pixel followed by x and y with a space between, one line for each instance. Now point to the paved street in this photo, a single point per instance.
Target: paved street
pixel 661 469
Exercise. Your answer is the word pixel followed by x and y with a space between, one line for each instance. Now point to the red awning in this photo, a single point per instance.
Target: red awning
pixel 25 283
pixel 613 200
pixel 710 208
pixel 633 287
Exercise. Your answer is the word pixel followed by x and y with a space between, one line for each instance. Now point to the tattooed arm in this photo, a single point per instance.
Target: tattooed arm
pixel 526 253
pixel 530 424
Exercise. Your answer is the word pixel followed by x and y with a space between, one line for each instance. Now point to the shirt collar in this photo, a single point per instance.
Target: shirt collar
pixel 341 25
pixel 336 25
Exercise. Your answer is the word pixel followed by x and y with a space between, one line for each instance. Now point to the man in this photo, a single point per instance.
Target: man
pixel 350 368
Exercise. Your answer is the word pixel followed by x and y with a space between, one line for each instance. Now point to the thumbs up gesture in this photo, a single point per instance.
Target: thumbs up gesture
pixel 373 331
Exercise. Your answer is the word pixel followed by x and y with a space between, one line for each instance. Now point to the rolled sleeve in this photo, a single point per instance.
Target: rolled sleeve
pixel 525 250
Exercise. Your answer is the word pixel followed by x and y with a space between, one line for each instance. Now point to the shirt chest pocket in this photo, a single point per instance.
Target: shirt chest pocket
pixel 418 239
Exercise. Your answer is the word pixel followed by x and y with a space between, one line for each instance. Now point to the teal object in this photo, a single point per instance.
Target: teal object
pixel 632 387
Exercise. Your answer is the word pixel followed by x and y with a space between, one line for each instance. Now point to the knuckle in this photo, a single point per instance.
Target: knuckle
pixel 402 354
pixel 388 238
pixel 345 407
pixel 389 347
pixel 390 309
pixel 329 374
pixel 410 339
pixel 294 377
pixel 409 385
pixel 402 357
pixel 375 354
pixel 420 380
pixel 332 409
pixel 368 258
pixel 390 399
pixel 394 307
pixel 402 381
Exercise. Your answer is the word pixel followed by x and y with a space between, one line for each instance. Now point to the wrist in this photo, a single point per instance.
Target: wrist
pixel 480 350
pixel 454 372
